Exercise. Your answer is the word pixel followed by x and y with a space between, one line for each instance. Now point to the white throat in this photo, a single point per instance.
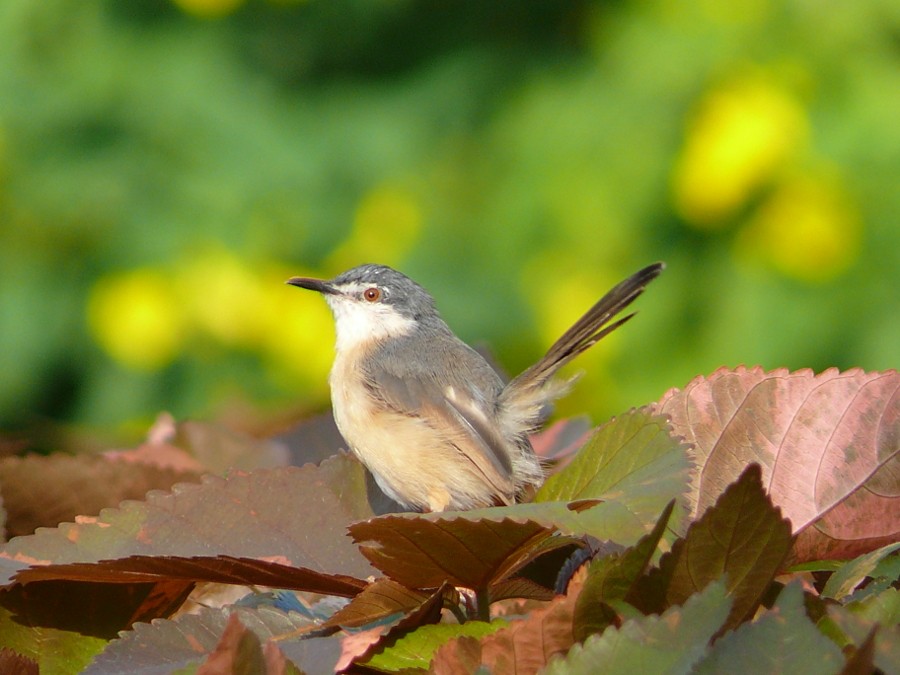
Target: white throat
pixel 358 324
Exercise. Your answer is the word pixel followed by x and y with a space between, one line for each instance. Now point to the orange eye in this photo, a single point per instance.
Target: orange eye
pixel 372 294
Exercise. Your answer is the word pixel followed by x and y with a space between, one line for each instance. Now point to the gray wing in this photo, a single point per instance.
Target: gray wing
pixel 454 389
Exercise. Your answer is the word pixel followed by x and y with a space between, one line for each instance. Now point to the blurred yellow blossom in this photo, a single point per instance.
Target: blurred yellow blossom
pixel 807 229
pixel 135 316
pixel 385 227
pixel 298 340
pixel 741 135
pixel 222 295
pixel 208 9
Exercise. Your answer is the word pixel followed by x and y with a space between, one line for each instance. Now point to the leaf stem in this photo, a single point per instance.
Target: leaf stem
pixel 483 605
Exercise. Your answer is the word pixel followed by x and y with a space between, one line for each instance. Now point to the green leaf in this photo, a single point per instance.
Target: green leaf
pixel 612 578
pixel 858 619
pixel 416 649
pixel 671 643
pixel 852 573
pixel 634 459
pixel 782 640
pixel 55 651
pixel 741 537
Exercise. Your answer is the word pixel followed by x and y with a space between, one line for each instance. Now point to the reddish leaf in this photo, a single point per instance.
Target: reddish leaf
pixel 94 609
pixel 219 569
pixel 12 663
pixel 297 516
pixel 741 537
pixel 380 599
pixel 43 491
pixel 828 444
pixel 425 551
pixel 524 646
pixel 220 449
pixel 240 651
pixel 560 440
pixel 169 645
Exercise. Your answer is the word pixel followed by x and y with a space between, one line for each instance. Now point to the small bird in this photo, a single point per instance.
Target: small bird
pixel 426 413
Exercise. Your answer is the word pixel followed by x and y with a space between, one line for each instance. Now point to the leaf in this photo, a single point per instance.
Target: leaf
pixel 381 599
pixel 852 573
pixel 296 516
pixel 829 446
pixel 218 569
pixel 41 491
pixel 523 646
pixel 634 459
pixel 95 609
pixel 54 651
pixel 167 645
pixel 612 578
pixel 671 643
pixel 424 552
pixel 858 619
pixel 12 663
pixel 417 649
pixel 220 449
pixel 561 439
pixel 782 640
pixel 741 537
pixel 240 652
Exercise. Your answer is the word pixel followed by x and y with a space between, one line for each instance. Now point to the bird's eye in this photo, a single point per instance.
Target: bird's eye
pixel 372 294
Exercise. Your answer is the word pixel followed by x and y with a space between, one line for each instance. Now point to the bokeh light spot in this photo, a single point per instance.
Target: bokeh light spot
pixel 386 224
pixel 208 9
pixel 136 318
pixel 807 229
pixel 741 135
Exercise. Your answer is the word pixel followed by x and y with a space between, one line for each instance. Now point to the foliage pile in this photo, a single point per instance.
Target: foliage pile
pixel 749 522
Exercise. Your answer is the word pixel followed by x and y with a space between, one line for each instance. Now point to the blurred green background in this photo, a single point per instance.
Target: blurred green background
pixel 166 164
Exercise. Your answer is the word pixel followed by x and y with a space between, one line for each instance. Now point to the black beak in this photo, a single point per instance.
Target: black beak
pixel 313 285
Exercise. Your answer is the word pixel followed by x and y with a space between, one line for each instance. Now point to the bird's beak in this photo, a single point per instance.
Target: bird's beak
pixel 313 285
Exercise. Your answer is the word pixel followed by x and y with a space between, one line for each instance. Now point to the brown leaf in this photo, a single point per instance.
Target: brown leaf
pixel 220 449
pixel 524 646
pixel 380 599
pixel 12 663
pixel 218 569
pixel 43 491
pixel 426 551
pixel 296 516
pixel 828 445
pixel 240 652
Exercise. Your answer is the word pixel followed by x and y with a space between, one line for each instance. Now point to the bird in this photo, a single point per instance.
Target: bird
pixel 429 417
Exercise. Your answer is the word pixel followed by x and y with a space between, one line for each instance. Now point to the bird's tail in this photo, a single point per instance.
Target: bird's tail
pixel 523 400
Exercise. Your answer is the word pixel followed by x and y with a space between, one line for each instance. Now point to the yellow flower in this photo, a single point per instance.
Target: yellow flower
pixel 208 9
pixel 222 295
pixel 135 317
pixel 740 137
pixel 807 229
pixel 298 341
pixel 385 227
